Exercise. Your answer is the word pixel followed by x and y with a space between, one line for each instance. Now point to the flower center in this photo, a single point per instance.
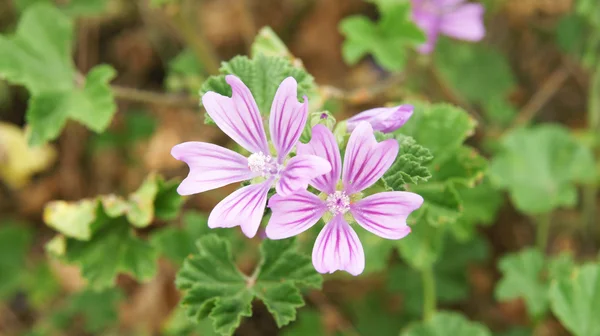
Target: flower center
pixel 338 203
pixel 265 165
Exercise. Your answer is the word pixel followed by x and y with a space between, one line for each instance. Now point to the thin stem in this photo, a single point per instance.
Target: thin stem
pixel 554 82
pixel 542 231
pixel 154 98
pixel 590 192
pixel 429 296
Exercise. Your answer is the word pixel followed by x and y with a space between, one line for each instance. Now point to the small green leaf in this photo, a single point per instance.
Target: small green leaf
pixel 388 39
pixel 178 243
pixel 262 74
pixel 93 106
pixel 575 300
pixel 540 166
pixel 71 219
pixel 15 241
pixel 441 128
pixel 480 206
pixel 38 56
pixel 112 250
pixel 447 323
pixel 478 72
pixel 269 44
pixel 422 247
pixel 522 278
pixel 215 288
pixel 410 165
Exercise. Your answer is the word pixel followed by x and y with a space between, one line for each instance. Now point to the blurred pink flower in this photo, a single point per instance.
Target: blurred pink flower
pixel 453 18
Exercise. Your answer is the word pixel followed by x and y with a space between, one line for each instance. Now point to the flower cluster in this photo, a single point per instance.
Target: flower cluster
pixel 318 163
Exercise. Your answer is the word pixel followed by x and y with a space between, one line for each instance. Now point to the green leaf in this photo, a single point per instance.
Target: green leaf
pixel 575 300
pixel 113 249
pixel 93 106
pixel 38 57
pixel 480 206
pixel 262 74
pixel 98 308
pixel 441 128
pixel 71 219
pixel 540 166
pixel 15 242
pixel 176 244
pixel 477 71
pixel 447 323
pixel 410 165
pixel 522 278
pixel 269 44
pixel 215 288
pixel 100 238
pixel 387 39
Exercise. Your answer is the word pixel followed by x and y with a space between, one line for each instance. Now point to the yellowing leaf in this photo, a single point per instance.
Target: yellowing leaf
pixel 18 161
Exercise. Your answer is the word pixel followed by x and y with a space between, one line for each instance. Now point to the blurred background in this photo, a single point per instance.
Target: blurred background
pixel 163 51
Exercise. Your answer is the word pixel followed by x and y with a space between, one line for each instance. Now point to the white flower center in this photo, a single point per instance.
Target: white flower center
pixel 338 203
pixel 265 165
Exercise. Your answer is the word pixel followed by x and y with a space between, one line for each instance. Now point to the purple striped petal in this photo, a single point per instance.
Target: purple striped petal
pixel 238 116
pixel 245 207
pixel 366 160
pixel 385 213
pixel 288 118
pixel 464 22
pixel 323 144
pixel 337 248
pixel 211 167
pixel 294 214
pixel 299 171
pixel 383 119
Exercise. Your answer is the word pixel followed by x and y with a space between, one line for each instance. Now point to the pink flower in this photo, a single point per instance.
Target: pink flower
pixel 384 214
pixel 383 119
pixel 212 166
pixel 453 18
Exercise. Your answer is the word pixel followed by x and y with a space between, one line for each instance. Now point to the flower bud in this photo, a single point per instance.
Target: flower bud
pixel 383 119
pixel 323 118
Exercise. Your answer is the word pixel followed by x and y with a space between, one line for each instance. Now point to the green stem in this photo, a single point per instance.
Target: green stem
pixel 429 298
pixel 543 231
pixel 590 192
